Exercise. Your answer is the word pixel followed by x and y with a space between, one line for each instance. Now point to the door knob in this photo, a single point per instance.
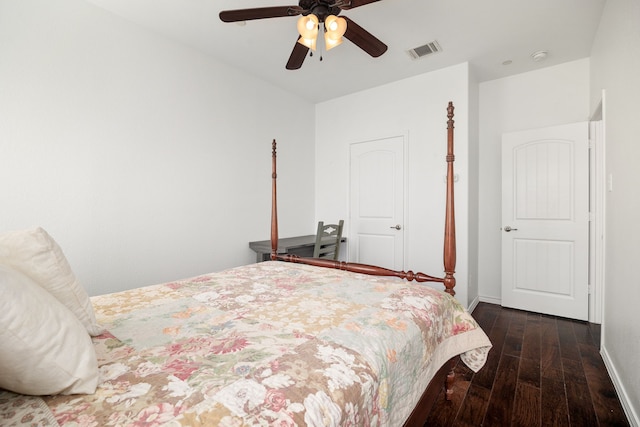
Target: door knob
pixel 397 227
pixel 508 229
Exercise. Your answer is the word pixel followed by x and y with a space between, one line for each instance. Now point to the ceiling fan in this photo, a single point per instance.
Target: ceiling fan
pixel 323 12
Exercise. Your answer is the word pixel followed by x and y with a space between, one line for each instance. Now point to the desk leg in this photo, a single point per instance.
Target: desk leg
pixel 263 256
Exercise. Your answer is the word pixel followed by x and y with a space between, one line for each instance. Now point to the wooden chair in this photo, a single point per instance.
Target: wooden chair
pixel 328 240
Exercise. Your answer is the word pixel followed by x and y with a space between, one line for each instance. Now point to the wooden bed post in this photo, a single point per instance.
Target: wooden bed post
pixel 450 222
pixel 274 203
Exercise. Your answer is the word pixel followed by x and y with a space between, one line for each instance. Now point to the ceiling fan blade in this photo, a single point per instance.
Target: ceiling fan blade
pixel 364 39
pixel 298 55
pixel 259 13
pixel 356 3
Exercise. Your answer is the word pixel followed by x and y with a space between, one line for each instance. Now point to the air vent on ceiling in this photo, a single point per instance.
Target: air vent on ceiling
pixel 424 50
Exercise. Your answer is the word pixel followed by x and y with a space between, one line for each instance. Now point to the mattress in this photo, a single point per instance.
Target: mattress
pixel 271 343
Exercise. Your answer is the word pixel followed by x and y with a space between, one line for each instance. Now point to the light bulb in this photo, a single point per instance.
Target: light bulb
pixel 310 24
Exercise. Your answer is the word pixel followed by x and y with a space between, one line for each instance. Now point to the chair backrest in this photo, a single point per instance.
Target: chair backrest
pixel 328 239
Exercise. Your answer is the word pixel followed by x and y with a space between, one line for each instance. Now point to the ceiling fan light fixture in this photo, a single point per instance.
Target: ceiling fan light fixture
pixel 310 43
pixel 330 43
pixel 308 26
pixel 335 27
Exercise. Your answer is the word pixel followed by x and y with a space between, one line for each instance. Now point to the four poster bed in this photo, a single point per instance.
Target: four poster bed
pixel 273 343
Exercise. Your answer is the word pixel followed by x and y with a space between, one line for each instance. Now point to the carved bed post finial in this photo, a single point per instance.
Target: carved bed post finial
pixel 450 222
pixel 274 203
pixel 450 109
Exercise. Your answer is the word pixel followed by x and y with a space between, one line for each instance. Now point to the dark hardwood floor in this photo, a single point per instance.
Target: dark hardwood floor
pixel 542 371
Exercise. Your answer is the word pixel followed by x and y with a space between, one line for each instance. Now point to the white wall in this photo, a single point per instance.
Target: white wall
pixel 615 68
pixel 546 97
pixel 415 107
pixel 145 160
pixel 474 190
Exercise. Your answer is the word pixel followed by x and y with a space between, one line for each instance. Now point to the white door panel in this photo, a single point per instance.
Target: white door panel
pixel 377 202
pixel 545 203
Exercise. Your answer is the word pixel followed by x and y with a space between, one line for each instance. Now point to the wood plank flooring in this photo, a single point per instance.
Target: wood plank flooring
pixel 542 371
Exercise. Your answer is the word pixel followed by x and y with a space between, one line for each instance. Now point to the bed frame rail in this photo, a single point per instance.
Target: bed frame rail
pixel 448 280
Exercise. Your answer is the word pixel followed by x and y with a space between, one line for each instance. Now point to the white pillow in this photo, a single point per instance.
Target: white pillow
pixel 45 349
pixel 37 255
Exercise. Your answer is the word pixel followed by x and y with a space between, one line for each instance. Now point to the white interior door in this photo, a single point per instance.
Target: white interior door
pixel 376 233
pixel 545 220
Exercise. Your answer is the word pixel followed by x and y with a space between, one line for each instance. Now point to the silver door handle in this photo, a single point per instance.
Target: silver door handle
pixel 397 227
pixel 508 229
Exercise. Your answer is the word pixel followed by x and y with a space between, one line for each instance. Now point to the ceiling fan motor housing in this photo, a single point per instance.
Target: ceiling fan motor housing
pixel 320 8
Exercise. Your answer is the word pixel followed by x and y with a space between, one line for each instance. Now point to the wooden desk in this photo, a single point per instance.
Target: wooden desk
pixel 299 245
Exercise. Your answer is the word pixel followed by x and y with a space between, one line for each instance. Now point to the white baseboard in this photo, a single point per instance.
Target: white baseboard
pixel 491 300
pixel 629 410
pixel 473 304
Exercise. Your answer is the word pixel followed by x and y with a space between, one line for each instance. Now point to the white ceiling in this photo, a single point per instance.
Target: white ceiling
pixel 485 33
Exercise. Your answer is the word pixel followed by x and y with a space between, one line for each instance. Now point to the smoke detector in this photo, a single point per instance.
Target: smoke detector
pixel 539 55
pixel 424 50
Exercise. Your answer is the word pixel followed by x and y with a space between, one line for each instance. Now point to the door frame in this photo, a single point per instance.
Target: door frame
pixel 405 182
pixel 597 229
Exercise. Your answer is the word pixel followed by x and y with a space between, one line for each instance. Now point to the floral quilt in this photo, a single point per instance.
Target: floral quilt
pixel 268 344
